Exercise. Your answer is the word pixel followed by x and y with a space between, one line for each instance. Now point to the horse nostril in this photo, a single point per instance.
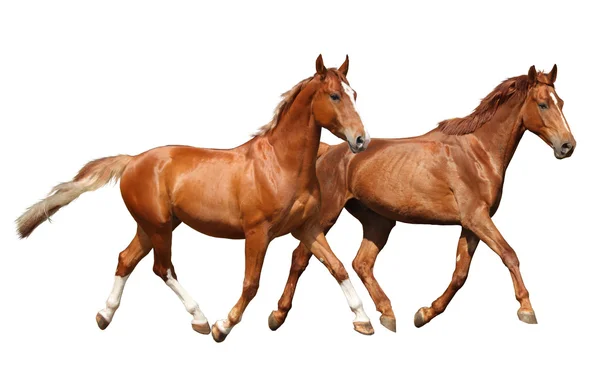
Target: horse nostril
pixel 360 141
pixel 566 148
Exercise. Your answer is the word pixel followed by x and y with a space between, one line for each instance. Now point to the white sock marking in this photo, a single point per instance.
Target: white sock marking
pixel 114 299
pixel 190 304
pixel 354 301
pixel 221 326
pixel 560 112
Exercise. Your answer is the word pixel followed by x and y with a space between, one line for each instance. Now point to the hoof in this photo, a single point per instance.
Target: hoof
pixel 217 334
pixel 274 323
pixel 388 322
pixel 202 328
pixel 101 321
pixel 364 328
pixel 420 319
pixel 527 317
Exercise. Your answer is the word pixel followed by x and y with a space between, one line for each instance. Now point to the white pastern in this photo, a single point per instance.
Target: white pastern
pixel 190 304
pixel 114 299
pixel 222 328
pixel 560 112
pixel 350 93
pixel 354 301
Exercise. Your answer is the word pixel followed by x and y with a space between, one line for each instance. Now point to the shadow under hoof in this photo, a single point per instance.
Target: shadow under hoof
pixel 527 317
pixel 203 328
pixel 101 321
pixel 364 328
pixel 388 322
pixel 420 319
pixel 217 335
pixel 274 323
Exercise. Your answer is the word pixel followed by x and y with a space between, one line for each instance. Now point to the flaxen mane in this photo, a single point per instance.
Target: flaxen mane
pixel 286 101
pixel 487 108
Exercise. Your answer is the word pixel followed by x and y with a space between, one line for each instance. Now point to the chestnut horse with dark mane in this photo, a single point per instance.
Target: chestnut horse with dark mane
pixel 260 190
pixel 452 175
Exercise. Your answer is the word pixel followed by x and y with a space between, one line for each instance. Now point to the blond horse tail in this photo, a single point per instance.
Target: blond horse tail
pixel 92 176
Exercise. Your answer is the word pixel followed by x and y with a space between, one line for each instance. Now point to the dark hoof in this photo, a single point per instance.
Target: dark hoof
pixel 364 328
pixel 218 335
pixel 274 323
pixel 203 328
pixel 388 322
pixel 527 317
pixel 420 319
pixel 101 321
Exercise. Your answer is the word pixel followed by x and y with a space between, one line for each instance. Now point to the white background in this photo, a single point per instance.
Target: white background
pixel 82 80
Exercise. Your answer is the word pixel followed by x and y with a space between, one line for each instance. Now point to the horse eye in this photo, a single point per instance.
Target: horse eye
pixel 334 96
pixel 543 106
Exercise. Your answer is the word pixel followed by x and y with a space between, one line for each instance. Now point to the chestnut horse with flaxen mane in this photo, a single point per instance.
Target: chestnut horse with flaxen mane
pixel 260 190
pixel 452 175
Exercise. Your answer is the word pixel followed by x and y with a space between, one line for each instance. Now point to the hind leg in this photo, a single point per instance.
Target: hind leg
pixel 163 267
pixel 139 247
pixel 376 230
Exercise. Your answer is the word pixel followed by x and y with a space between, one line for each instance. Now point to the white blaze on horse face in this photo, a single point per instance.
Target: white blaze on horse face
pixel 190 304
pixel 560 112
pixel 350 93
pixel 354 301
pixel 114 299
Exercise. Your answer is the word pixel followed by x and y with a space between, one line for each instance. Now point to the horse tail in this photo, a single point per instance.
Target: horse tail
pixel 323 147
pixel 92 176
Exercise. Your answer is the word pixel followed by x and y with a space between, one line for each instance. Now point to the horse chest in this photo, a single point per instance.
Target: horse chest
pixel 304 207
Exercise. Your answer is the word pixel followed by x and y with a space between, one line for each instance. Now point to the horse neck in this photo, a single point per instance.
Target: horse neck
pixel 501 135
pixel 295 139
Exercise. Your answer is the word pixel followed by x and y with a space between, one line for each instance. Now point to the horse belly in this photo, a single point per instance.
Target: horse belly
pixel 415 209
pixel 209 206
pixel 414 192
pixel 211 221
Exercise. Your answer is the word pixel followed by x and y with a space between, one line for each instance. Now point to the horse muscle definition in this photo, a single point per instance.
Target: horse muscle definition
pixel 202 188
pixel 452 175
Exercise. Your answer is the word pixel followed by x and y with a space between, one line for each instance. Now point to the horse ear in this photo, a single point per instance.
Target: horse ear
pixel 320 66
pixel 532 75
pixel 552 74
pixel 344 67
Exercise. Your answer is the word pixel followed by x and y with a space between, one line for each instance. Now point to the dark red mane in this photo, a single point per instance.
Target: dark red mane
pixel 487 108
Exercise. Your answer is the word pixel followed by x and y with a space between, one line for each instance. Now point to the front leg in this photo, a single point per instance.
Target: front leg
pixel 467 244
pixel 300 259
pixel 483 227
pixel 257 241
pixel 314 240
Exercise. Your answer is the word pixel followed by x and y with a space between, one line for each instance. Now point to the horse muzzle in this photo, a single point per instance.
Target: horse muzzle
pixel 564 149
pixel 360 143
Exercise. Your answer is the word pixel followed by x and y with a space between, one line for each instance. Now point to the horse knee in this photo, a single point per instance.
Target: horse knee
pixel 339 272
pixel 510 260
pixel 250 289
pixel 299 264
pixel 361 267
pixel 125 265
pixel 164 272
pixel 459 279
